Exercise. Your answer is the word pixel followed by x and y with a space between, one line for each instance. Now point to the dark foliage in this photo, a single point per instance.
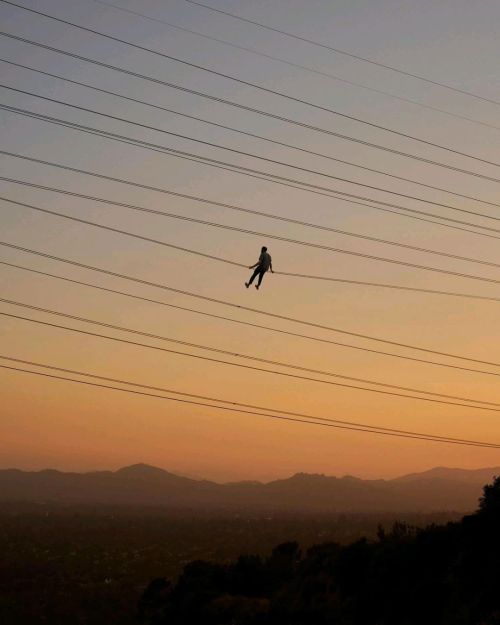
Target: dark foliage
pixel 441 575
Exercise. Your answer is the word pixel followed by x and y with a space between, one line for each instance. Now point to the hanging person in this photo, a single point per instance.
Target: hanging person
pixel 264 264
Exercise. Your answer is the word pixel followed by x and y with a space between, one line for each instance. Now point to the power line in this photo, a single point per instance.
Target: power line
pixel 249 211
pixel 225 205
pixel 397 287
pixel 368 429
pixel 240 153
pixel 254 110
pixel 223 401
pixel 250 84
pixel 487 405
pixel 180 248
pixel 257 311
pixel 124 232
pixel 240 404
pixel 248 134
pixel 252 173
pixel 236 355
pixel 242 230
pixel 245 323
pixel 298 65
pixel 345 53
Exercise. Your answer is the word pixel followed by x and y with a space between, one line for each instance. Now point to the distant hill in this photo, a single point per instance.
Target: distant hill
pixel 439 489
pixel 444 473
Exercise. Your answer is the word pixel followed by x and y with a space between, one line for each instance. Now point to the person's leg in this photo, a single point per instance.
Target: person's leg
pixel 254 275
pixel 259 281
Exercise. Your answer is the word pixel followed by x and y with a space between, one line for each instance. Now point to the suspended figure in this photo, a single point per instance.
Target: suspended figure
pixel 261 267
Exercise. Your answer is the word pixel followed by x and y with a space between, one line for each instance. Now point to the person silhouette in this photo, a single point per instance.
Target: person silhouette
pixel 264 264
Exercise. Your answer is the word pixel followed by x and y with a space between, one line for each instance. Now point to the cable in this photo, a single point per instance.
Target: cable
pixel 252 109
pixel 223 401
pixel 241 307
pixel 245 323
pixel 222 204
pixel 260 369
pixel 223 226
pixel 297 65
pixel 252 173
pixel 349 54
pixel 184 401
pixel 236 355
pixel 239 152
pixel 248 134
pixel 236 264
pixel 252 212
pixel 123 232
pixel 339 280
pixel 243 405
pixel 250 84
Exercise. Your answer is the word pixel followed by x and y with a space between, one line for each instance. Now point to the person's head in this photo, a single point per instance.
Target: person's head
pixel 264 249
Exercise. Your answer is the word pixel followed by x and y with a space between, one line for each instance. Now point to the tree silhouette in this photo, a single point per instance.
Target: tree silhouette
pixel 490 501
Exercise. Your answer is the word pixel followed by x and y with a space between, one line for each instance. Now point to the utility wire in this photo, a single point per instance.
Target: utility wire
pixel 257 311
pixel 240 404
pixel 123 232
pixel 222 204
pixel 240 153
pixel 237 355
pixel 251 84
pixel 345 53
pixel 253 109
pixel 239 322
pixel 298 65
pixel 247 134
pixel 180 248
pixel 249 211
pixel 230 228
pixel 367 429
pixel 487 405
pixel 255 173
pixel 339 280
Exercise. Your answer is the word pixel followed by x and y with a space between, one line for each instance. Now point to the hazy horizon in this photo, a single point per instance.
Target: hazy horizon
pixel 242 478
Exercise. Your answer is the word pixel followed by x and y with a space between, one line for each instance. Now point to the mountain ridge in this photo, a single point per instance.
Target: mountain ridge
pixel 437 489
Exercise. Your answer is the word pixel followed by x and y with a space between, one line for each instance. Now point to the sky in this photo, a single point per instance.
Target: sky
pixel 68 426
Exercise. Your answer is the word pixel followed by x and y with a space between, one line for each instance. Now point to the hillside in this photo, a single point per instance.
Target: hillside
pixel 439 575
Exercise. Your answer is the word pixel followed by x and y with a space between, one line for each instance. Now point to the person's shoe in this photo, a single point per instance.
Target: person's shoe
pixel 257 287
pixel 247 284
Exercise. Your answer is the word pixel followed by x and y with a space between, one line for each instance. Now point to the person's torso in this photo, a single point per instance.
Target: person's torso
pixel 265 261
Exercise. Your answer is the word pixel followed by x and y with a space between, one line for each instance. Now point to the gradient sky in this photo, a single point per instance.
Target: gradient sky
pixel 71 427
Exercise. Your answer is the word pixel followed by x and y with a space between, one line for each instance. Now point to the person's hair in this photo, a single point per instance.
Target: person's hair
pixel 264 249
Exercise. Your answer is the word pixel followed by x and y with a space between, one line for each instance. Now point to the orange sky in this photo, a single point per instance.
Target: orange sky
pixel 67 426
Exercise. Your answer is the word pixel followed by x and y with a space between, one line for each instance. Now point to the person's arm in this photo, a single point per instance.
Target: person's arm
pixel 271 267
pixel 253 266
